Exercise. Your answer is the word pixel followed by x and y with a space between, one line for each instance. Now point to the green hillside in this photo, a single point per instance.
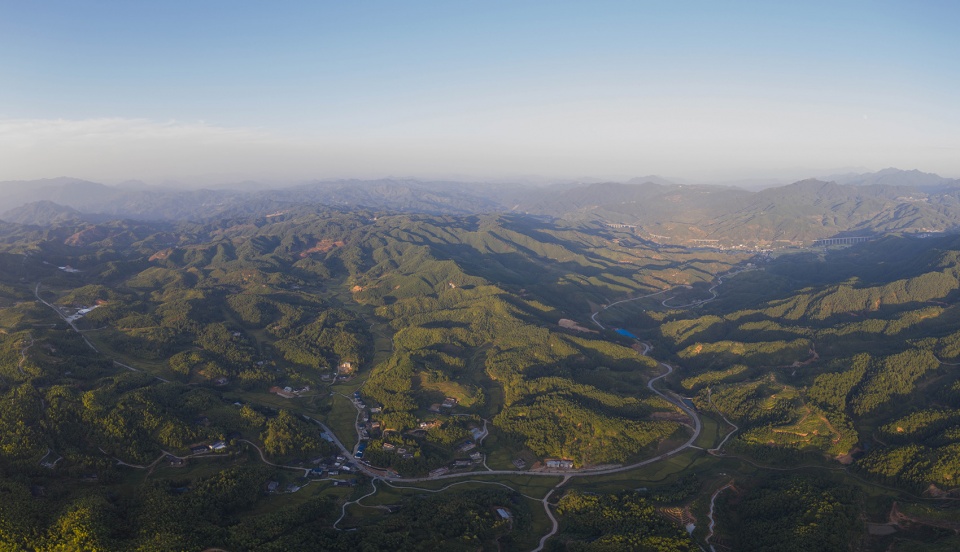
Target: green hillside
pixel 159 378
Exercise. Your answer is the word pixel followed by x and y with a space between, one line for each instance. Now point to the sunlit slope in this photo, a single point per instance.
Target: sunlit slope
pixel 836 368
pixel 473 304
pixel 501 353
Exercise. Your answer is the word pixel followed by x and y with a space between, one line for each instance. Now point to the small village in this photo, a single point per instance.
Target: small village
pixel 468 455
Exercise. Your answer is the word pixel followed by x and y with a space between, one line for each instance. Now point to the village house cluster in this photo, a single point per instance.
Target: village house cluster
pixel 368 428
pixel 344 372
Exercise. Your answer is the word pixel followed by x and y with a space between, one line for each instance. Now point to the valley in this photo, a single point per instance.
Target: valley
pixel 479 277
pixel 321 370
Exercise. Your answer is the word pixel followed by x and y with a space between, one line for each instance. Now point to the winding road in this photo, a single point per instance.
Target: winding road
pixel 343 509
pixel 565 474
pixel 553 519
pixel 712 291
pixel 36 292
pixel 719 448
pixel 713 500
pixel 584 472
pixel 23 356
pixel 384 476
pixel 269 463
pixel 615 303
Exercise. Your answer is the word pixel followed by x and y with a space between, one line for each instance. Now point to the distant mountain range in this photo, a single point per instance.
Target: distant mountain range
pixel 655 209
pixel 928 182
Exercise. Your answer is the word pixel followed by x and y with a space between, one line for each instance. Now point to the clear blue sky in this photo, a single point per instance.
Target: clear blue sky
pixel 116 90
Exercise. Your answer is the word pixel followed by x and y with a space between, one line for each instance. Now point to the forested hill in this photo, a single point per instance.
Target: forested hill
pixel 656 209
pixel 129 346
pixel 470 307
pixel 851 354
pixel 163 384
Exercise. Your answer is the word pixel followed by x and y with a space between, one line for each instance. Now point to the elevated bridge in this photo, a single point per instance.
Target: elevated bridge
pixel 842 241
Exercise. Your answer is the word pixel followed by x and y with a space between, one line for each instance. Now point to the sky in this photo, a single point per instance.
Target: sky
pixel 110 91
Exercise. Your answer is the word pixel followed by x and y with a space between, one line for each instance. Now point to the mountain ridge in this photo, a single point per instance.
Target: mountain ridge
pixel 661 210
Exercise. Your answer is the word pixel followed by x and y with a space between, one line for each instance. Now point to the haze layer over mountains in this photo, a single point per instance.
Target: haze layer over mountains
pixel 661 211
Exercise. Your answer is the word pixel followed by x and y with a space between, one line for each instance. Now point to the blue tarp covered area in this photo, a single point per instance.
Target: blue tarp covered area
pixel 625 333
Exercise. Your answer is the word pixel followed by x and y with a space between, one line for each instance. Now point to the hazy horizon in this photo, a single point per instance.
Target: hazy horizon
pixel 609 91
pixel 239 182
